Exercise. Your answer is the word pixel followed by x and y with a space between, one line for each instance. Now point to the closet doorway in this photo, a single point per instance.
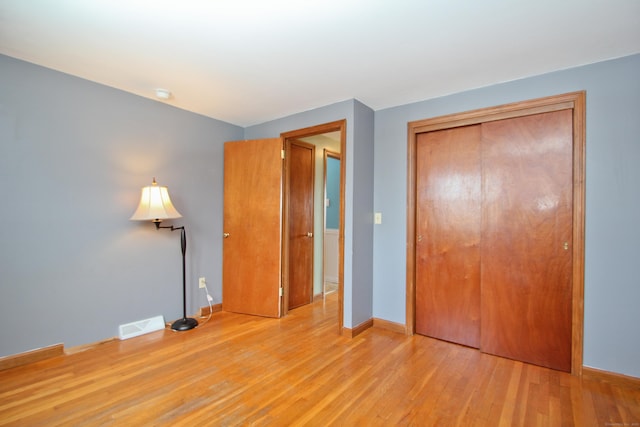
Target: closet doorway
pixel 496 230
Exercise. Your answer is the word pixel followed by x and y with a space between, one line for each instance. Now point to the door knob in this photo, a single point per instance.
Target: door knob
pixel 565 246
pixel 309 234
pixel 225 235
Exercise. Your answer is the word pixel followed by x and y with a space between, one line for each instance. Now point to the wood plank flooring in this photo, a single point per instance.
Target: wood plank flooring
pixel 240 370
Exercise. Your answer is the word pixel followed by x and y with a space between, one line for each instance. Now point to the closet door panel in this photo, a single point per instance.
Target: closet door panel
pixel 526 265
pixel 448 221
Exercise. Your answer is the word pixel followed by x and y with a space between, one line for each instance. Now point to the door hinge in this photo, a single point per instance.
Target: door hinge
pixel 281 292
pixel 282 154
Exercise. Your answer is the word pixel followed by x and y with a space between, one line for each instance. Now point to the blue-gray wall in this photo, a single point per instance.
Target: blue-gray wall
pixel 74 155
pixel 358 249
pixel 73 158
pixel 612 286
pixel 362 164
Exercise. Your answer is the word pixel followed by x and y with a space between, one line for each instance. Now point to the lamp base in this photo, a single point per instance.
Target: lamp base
pixel 184 324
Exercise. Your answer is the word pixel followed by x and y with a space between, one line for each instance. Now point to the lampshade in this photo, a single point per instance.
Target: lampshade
pixel 155 204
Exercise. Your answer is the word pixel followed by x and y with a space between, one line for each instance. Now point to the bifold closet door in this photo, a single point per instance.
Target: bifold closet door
pixel 448 222
pixel 527 238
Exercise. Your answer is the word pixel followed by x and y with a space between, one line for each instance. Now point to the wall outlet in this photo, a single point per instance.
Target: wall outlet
pixel 202 283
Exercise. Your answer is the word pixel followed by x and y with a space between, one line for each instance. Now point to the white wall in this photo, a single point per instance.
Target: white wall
pixel 331 255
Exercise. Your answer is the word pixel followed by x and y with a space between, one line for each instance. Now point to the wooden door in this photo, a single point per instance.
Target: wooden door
pixel 527 238
pixel 300 161
pixel 251 270
pixel 494 237
pixel 448 215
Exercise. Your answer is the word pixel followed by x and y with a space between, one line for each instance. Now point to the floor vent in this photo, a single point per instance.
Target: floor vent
pixel 141 327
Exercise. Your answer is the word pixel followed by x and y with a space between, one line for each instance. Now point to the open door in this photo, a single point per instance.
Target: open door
pixel 251 266
pixel 299 222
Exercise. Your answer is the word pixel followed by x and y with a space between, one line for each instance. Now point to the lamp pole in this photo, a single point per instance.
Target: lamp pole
pixel 185 323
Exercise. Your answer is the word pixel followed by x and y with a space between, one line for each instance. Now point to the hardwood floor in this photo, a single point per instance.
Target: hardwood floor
pixel 243 370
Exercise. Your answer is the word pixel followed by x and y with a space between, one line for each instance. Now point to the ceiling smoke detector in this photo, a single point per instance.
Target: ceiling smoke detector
pixel 163 94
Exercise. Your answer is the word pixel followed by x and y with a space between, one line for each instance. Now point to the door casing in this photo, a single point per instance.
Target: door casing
pixel 576 101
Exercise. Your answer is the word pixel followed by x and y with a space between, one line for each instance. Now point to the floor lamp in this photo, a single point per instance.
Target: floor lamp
pixel 155 205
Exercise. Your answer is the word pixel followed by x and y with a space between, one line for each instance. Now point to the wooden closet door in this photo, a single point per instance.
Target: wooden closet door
pixel 526 238
pixel 300 184
pixel 448 192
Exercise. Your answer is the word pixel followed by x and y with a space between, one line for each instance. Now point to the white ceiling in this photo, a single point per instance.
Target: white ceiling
pixel 250 61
